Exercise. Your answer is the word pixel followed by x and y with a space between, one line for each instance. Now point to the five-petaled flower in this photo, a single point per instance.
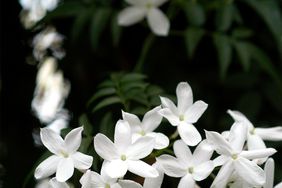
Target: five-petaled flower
pixel 65 158
pixel 185 114
pixel 190 168
pixel 123 154
pixel 234 159
pixel 150 122
pixel 140 9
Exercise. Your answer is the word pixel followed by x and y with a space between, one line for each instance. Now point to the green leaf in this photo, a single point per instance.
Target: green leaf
pixel 102 93
pixel 193 36
pixel 106 83
pixel 107 125
pixel 133 85
pixel 98 24
pixel 79 24
pixel 224 17
pixel 241 33
pixel 242 50
pixel 224 52
pixel 195 13
pixel 133 77
pixel 116 31
pixel 271 13
pixel 87 126
pixel 107 102
pixel 250 104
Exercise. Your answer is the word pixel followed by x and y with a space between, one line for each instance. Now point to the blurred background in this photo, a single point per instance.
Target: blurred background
pixel 230 52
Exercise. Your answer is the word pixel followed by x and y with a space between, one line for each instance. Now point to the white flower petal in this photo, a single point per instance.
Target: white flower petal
pixel 182 152
pixel 258 153
pixel 238 136
pixel 122 135
pixel 82 161
pixel 278 185
pixel 157 181
pixel 65 169
pixel 52 141
pixel 152 119
pixel 49 4
pixel 239 117
pixel 170 116
pixel 249 171
pixel 161 140
pixel 167 103
pixel 184 96
pixel 158 22
pixel 105 148
pixel 194 112
pixel 91 179
pixel 219 143
pixel 171 166
pixel 220 160
pixel 141 148
pixel 116 185
pixel 202 171
pixel 255 142
pixel 133 121
pixel 223 175
pixel 186 181
pixel 202 153
pixel 55 184
pixel 269 172
pixel 272 134
pixel 131 15
pixel 73 139
pixel 189 134
pixel 142 169
pixel 129 184
pixel 47 167
pixel 116 168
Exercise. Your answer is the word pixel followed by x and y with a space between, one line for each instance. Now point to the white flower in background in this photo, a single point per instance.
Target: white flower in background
pixel 35 10
pixel 255 135
pixel 150 122
pixel 140 9
pixel 61 122
pixel 123 155
pixel 92 179
pixel 51 183
pixel 190 168
pixel 65 158
pixel 269 171
pixel 49 38
pixel 185 114
pixel 234 159
pixel 50 93
pixel 157 181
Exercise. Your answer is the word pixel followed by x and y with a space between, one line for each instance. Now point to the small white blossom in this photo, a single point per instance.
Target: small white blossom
pixel 50 39
pixel 141 9
pixel 92 179
pixel 50 93
pixel 256 136
pixel 51 183
pixel 190 167
pixel 269 171
pixel 35 10
pixel 157 181
pixel 150 122
pixel 234 159
pixel 185 114
pixel 123 155
pixel 65 158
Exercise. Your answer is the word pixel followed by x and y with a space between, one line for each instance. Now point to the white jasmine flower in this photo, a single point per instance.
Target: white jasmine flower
pixel 234 159
pixel 49 38
pixel 35 10
pixel 190 168
pixel 140 9
pixel 269 171
pixel 123 155
pixel 157 181
pixel 255 135
pixel 51 183
pixel 50 92
pixel 65 158
pixel 92 179
pixel 150 122
pixel 185 114
pixel 61 122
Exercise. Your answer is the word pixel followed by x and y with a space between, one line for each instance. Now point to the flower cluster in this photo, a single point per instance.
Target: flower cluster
pixel 238 153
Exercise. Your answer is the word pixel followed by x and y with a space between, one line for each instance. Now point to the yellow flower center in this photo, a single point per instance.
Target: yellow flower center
pixel 252 131
pixel 181 117
pixel 107 186
pixel 123 157
pixel 234 156
pixel 149 5
pixel 191 170
pixel 142 133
